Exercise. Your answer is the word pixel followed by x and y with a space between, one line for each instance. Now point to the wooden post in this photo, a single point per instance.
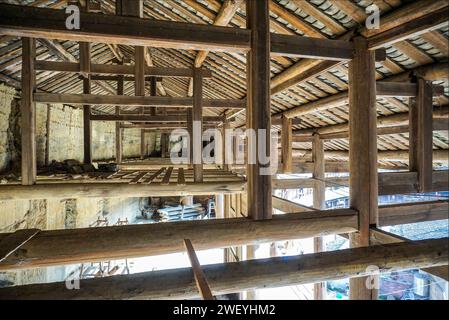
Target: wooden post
pixel 363 177
pixel 226 147
pixel 87 124
pixel 47 140
pixel 196 139
pixel 286 144
pixel 319 202
pixel 28 112
pixel 85 60
pixel 258 112
pixel 251 255
pixel 421 135
pixel 118 129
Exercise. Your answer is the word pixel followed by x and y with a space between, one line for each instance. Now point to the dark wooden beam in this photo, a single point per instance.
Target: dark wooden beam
pixel 117 69
pixel 314 48
pixel 159 101
pixel 47 23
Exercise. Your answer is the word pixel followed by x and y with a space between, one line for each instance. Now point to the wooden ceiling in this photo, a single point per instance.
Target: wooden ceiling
pixel 316 18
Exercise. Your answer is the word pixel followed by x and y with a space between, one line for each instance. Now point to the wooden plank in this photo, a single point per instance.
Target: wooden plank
pixel 197 137
pixel 311 48
pixel 248 275
pixel 421 135
pixel 381 237
pixel 258 114
pixel 26 21
pixel 28 112
pixel 139 176
pixel 200 277
pixel 159 101
pixel 181 178
pixel 154 176
pixel 57 247
pixel 166 178
pixel 363 180
pixel 118 69
pixel 14 241
pixel 286 145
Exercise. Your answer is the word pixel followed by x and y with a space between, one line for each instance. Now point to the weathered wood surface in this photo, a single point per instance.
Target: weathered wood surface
pixel 248 275
pixel 59 247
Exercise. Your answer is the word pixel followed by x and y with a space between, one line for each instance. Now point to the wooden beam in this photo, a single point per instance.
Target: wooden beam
pixel 58 247
pixel 421 135
pixel 381 237
pixel 311 48
pixel 15 241
pixel 248 275
pixel 402 89
pixel 401 118
pixel 200 277
pixel 159 101
pixel 28 112
pixel 258 115
pixel 383 89
pixel 113 190
pixel 149 118
pixel 286 145
pixel 47 23
pixel 413 212
pixel 398 22
pixel 118 69
pixel 288 206
pixel 411 28
pixel 363 181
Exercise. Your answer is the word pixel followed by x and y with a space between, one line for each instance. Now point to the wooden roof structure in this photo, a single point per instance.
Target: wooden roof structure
pixel 345 97
pixel 324 19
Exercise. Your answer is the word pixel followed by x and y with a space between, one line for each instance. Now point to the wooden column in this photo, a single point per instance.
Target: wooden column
pixel 421 135
pixel 258 112
pixel 28 112
pixel 286 145
pixel 363 178
pixel 85 60
pixel 118 129
pixel 135 9
pixel 87 129
pixel 319 202
pixel 227 149
pixel 197 142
